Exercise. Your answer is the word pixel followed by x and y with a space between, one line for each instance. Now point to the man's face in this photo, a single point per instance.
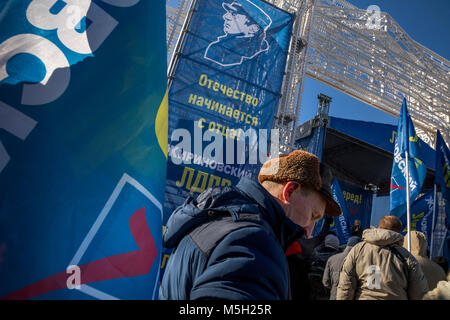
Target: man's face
pixel 236 23
pixel 305 208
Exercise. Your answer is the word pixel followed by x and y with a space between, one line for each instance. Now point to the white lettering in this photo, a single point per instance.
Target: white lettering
pixel 74 281
pixel 39 15
pixel 374 280
pixel 50 87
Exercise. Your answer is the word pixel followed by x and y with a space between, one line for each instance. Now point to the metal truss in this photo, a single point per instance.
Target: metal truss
pixel 176 13
pixel 370 58
pixel 379 65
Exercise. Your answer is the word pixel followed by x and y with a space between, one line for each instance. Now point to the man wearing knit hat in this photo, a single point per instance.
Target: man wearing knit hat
pixel 230 242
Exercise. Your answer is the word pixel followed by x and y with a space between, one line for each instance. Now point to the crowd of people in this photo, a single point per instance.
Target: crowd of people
pixel 254 241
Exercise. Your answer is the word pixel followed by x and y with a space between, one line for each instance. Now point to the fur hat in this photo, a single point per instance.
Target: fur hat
pixel 302 167
pixel 299 166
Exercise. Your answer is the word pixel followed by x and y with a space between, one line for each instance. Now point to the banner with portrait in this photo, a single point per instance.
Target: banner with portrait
pixel 224 92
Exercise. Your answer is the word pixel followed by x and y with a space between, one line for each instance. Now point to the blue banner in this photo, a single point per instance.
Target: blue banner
pixel 442 176
pixel 225 89
pixel 341 222
pixel 359 204
pixel 421 216
pixel 407 141
pixel 82 163
pixel 340 225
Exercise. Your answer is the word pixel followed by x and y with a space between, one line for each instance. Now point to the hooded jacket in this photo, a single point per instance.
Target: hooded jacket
pixel 247 263
pixel 432 271
pixel 379 268
pixel 333 267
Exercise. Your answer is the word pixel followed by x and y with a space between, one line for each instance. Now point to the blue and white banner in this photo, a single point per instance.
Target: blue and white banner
pixel 340 224
pixel 225 90
pixel 407 141
pixel 82 163
pixel 421 216
pixel 442 176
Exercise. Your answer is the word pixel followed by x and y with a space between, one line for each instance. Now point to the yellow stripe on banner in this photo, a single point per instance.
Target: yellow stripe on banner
pixel 162 124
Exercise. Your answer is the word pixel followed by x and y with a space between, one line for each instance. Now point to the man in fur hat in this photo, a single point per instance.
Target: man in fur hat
pixel 230 242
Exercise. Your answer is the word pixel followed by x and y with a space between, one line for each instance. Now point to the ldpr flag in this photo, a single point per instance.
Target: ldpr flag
pixel 341 222
pixel 406 142
pixel 82 148
pixel 421 216
pixel 442 176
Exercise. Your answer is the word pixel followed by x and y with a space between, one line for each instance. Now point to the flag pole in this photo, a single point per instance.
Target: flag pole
pixel 408 213
pixel 433 222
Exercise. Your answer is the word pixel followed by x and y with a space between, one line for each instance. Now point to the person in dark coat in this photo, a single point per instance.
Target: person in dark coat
pixel 230 242
pixel 318 263
pixel 298 256
pixel 333 267
pixel 442 262
pixel 309 244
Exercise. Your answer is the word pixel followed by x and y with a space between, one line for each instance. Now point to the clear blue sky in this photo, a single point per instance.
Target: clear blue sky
pixel 427 22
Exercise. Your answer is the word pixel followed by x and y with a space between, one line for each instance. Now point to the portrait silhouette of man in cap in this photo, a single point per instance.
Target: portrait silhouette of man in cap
pixel 245 26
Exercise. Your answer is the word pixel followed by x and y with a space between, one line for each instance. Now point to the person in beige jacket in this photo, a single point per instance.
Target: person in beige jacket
pixel 432 271
pixel 379 268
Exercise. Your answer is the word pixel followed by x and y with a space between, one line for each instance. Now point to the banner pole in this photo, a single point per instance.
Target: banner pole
pixel 433 222
pixel 408 213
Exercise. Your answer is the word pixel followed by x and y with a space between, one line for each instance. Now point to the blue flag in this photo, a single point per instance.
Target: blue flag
pixel 442 176
pixel 421 216
pixel 340 223
pixel 82 150
pixel 407 141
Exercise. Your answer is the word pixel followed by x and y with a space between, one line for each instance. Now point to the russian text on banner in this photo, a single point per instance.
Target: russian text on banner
pixel 225 89
pixel 406 141
pixel 442 176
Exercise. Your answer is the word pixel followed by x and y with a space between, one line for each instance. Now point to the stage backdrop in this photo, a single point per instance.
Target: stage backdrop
pixel 227 80
pixel 82 174
pixel 355 202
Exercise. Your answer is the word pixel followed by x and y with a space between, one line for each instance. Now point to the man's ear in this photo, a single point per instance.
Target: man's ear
pixel 288 190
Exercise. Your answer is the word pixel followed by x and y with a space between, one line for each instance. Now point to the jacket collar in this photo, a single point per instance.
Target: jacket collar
pixel 284 228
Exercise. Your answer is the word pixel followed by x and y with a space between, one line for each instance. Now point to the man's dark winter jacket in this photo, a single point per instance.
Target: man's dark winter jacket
pixel 318 263
pixel 248 262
